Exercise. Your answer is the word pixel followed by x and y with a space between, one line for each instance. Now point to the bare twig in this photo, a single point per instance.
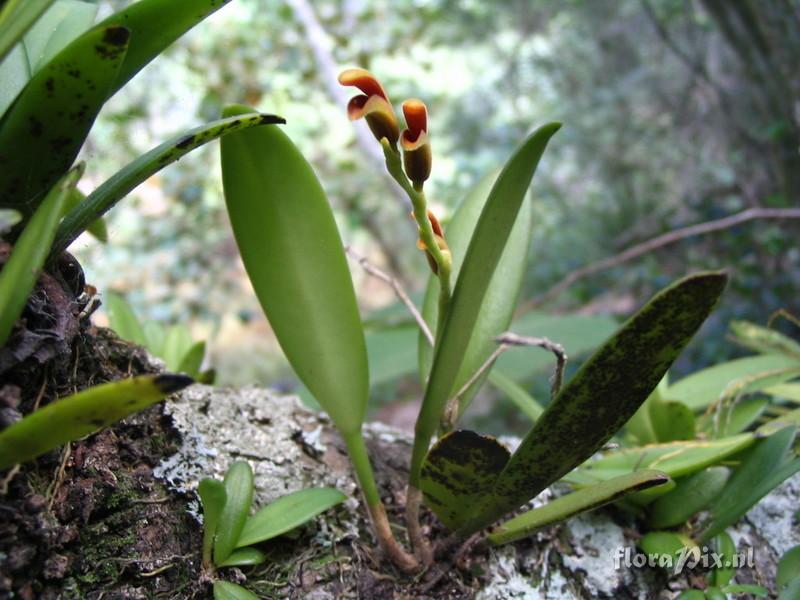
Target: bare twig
pixel 398 290
pixel 512 339
pixel 657 242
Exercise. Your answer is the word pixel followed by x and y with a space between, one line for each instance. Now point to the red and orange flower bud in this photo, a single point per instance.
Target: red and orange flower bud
pixel 414 141
pixel 438 235
pixel 373 104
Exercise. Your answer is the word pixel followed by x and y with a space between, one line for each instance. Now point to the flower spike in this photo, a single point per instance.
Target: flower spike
pixel 373 104
pixel 414 141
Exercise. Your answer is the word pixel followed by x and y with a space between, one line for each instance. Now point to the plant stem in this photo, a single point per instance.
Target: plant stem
pixel 377 513
pixel 420 544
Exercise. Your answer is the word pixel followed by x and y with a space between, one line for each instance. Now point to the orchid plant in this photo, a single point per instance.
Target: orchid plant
pixel 293 254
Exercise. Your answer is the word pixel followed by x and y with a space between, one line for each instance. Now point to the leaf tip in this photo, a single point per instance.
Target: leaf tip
pixel 172 382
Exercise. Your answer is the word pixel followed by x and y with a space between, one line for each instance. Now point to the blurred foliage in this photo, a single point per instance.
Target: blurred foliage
pixel 676 112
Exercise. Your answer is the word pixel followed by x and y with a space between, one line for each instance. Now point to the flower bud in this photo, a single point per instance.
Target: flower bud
pixel 373 104
pixel 414 141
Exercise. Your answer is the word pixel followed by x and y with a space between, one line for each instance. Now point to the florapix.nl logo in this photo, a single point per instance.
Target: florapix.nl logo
pixel 704 558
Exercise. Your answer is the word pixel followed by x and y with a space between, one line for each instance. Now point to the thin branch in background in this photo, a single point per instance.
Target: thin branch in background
pixel 665 239
pixel 398 290
pixel 512 339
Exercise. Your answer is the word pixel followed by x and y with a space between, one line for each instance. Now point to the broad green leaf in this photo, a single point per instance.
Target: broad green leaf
pixel 126 179
pixel 501 296
pixel 392 354
pixel 692 494
pixel 16 18
pixel 42 132
pixel 244 557
pixel 14 73
pixel 702 388
pixel 672 420
pixel 80 414
pixel 293 254
pixel 604 393
pixel 239 497
pixel 485 249
pixel 791 591
pixel 517 394
pixel 176 344
pixel 123 320
pixel 458 471
pixel 789 391
pixel 288 512
pixel 730 421
pixel 788 566
pixel 192 360
pixel 212 496
pixel 21 271
pixel 224 590
pixel 765 466
pixel 575 503
pixel 785 419
pixel 676 459
pixel 62 23
pixel 725 548
pixel 764 340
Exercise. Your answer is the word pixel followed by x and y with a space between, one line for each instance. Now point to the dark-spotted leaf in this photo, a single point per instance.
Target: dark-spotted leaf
pixel 498 305
pixel 83 413
pixel 293 254
pixel 603 394
pixel 126 179
pixel 41 133
pixel 575 503
pixel 288 512
pixel 238 498
pixel 458 471
pixel 485 249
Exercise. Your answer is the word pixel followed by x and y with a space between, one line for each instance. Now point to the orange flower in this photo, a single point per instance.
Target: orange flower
pixel 373 104
pixel 438 234
pixel 414 141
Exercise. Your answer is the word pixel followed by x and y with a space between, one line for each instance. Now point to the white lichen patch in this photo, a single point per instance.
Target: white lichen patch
pixel 595 540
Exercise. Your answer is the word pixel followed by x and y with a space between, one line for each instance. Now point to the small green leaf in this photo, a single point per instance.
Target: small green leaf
pixel 765 466
pixel 789 391
pixel 714 593
pixel 224 590
pixel 788 566
pixel 691 495
pixel 193 360
pixel 119 185
pixel 458 471
pixel 52 116
pixel 700 389
pixel 764 340
pixel 244 557
pixel 80 414
pixel 658 543
pixel 293 254
pixel 239 497
pixel 501 296
pixel 484 251
pixel 288 512
pixel 21 271
pixel 672 420
pixel 122 319
pixel 517 394
pixel 725 548
pixel 603 394
pixel 16 18
pixel 177 344
pixel 212 496
pixel 746 588
pixel 154 335
pixel 575 503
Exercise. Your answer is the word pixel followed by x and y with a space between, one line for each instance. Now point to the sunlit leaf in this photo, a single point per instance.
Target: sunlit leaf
pixel 83 413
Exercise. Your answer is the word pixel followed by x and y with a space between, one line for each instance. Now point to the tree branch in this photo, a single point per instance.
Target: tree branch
pixel 659 241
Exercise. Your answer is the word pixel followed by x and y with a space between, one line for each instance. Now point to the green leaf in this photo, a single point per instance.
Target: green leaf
pixel 98 227
pixel 484 251
pixel 126 179
pixel 224 590
pixel 42 132
pixel 788 391
pixel 746 588
pixel 57 27
pixel 764 340
pixel 458 471
pixel 604 393
pixel 392 354
pixel 244 557
pixel 212 496
pixel 495 313
pixel 21 271
pixel 700 389
pixel 8 218
pixel 16 18
pixel 123 320
pixel 80 414
pixel 517 394
pixel 177 344
pixel 788 567
pixel 193 359
pixel 154 335
pixel 640 425
pixel 725 548
pixel 659 543
pixel 575 503
pixel 766 466
pixel 672 420
pixel 734 420
pixel 791 591
pixel 293 254
pixel 239 497
pixel 288 512
pixel 691 595
pixel 692 494
pixel 714 593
